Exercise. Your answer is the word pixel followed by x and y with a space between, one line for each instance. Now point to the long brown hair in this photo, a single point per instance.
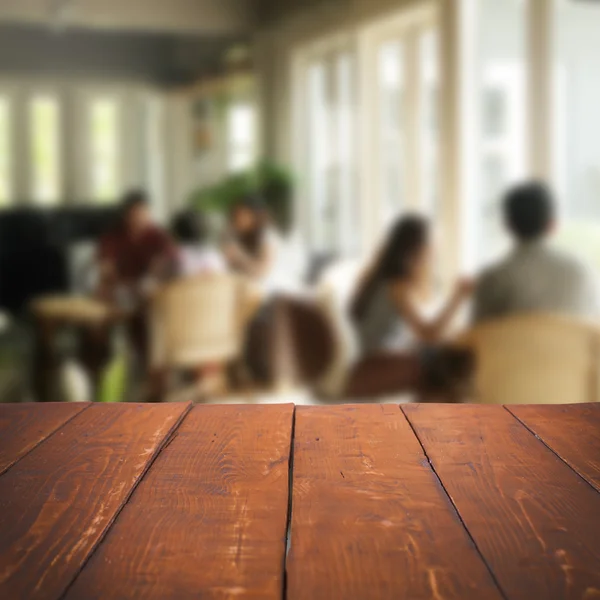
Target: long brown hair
pixel 408 236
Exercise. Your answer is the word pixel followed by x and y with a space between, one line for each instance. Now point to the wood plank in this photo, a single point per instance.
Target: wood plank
pixel 209 519
pixel 572 431
pixel 534 520
pixel 369 518
pixel 57 502
pixel 24 426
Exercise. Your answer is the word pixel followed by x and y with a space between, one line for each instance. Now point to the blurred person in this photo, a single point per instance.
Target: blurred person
pixel 133 258
pixel 135 253
pixel 385 308
pixel 255 249
pixel 252 246
pixel 535 276
pixel 195 254
pixel 399 349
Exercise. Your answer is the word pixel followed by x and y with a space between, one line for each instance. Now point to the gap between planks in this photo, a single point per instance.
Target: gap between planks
pixel 542 441
pixel 454 507
pixel 288 529
pixel 164 443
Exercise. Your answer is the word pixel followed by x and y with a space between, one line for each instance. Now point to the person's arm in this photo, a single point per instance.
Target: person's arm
pixel 165 264
pixel 252 266
pixel 429 330
pixel 107 272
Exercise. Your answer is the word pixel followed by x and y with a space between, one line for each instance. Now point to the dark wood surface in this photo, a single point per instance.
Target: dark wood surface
pixel 22 427
pixel 168 501
pixel 573 433
pixel 210 517
pixel 534 520
pixel 57 502
pixel 370 519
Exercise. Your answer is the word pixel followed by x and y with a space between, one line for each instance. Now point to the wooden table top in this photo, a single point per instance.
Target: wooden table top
pixel 387 501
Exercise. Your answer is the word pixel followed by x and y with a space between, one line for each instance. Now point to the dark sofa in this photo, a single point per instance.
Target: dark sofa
pixel 34 246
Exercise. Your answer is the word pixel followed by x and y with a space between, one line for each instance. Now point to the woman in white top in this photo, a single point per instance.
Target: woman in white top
pixel 252 247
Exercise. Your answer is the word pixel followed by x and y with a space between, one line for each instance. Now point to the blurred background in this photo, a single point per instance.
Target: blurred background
pixel 341 114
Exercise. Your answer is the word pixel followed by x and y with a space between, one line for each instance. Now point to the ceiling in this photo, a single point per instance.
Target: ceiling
pixel 204 17
pixel 196 33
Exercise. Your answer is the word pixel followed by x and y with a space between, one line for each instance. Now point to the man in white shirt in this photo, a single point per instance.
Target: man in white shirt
pixel 535 276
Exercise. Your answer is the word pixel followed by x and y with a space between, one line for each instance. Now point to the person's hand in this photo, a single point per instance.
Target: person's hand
pixel 465 286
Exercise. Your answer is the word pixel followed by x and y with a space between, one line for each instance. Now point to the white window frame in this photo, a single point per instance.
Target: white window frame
pixel 325 50
pixel 233 146
pixel 406 27
pixel 85 99
pixel 58 93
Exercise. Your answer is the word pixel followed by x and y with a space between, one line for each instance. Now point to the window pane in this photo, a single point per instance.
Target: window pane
pixel 348 229
pixel 577 122
pixel 391 128
pixel 104 154
pixel 242 132
pixel 45 150
pixel 5 157
pixel 502 146
pixel 320 157
pixel 429 93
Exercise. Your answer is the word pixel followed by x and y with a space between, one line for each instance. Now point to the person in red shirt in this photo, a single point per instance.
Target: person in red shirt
pixel 136 252
pixel 133 259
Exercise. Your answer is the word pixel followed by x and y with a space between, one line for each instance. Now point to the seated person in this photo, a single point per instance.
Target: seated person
pixel 535 276
pixel 252 247
pixel 133 258
pixel 195 254
pixel 397 344
pixel 385 308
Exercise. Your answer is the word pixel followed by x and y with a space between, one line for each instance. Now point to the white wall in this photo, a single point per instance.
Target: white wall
pixel 187 168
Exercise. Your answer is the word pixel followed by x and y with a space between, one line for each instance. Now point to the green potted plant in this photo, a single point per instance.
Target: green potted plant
pixel 270 181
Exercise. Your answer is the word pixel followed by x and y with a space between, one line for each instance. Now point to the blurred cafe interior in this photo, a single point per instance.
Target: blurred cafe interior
pixel 314 201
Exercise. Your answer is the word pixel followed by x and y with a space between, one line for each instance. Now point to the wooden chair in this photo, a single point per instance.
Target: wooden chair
pixel 199 320
pixel 536 359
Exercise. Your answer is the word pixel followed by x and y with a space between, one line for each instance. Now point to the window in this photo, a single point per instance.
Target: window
pixel 45 151
pixel 319 157
pixel 429 85
pixel 577 125
pixel 6 190
pixel 104 128
pixel 391 85
pixel 330 153
pixel 502 132
pixel 347 200
pixel 241 131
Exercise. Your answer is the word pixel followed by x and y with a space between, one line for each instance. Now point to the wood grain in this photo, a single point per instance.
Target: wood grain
pixel 369 518
pixel 24 426
pixel 57 502
pixel 572 431
pixel 534 520
pixel 209 519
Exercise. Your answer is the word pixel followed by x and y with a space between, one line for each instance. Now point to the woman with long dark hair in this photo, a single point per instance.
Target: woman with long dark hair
pixel 385 307
pixel 248 247
pixel 397 344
